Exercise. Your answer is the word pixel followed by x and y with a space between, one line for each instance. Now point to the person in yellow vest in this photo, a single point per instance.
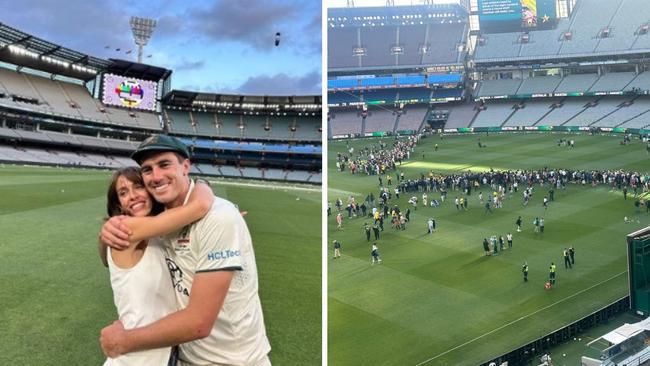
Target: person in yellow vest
pixel 551 274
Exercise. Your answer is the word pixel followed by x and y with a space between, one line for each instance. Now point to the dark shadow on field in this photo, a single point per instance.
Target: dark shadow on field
pixel 482 260
pixel 454 269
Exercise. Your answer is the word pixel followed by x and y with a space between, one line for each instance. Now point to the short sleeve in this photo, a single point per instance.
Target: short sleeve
pixel 222 236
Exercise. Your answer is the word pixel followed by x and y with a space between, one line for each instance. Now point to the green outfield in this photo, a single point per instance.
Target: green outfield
pixel 436 299
pixel 56 295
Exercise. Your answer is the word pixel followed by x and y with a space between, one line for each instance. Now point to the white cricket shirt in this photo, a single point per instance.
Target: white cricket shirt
pixel 220 241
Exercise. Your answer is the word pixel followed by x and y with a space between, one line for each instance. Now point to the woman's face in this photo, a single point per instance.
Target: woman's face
pixel 134 198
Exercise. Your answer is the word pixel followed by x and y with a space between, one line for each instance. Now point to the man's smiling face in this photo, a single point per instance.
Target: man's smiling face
pixel 166 178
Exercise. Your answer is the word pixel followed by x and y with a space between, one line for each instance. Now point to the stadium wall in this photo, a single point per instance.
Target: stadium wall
pixel 522 355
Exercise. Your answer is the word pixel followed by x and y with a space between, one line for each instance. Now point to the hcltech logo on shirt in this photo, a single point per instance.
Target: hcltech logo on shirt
pixel 223 254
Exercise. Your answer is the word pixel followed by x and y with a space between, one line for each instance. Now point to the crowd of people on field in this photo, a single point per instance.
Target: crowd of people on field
pixel 377 159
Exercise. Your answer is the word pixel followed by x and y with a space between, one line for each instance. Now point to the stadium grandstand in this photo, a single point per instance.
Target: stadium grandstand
pixel 585 71
pixel 576 65
pixel 388 65
pixel 495 66
pixel 65 108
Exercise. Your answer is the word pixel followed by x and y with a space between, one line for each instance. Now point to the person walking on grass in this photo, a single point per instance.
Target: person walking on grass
pixel 431 223
pixel 375 254
pixel 366 229
pixel 567 258
pixel 375 230
pixel 487 207
pixel 524 270
pixel 337 249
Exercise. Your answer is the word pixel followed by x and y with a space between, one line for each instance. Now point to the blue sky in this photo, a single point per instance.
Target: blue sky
pixel 212 46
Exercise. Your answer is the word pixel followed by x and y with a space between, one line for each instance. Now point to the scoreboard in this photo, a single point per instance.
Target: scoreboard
pixel 516 15
pixel 129 92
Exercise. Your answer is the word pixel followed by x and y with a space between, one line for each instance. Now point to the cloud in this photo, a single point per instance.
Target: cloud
pixel 190 38
pixel 214 88
pixel 247 21
pixel 169 26
pixel 282 84
pixel 188 65
pixel 315 41
pixel 77 24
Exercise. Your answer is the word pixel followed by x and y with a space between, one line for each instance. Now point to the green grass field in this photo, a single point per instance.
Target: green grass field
pixel 56 295
pixel 436 299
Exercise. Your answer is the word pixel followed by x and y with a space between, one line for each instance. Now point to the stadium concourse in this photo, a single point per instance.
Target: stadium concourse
pixel 62 107
pixel 537 85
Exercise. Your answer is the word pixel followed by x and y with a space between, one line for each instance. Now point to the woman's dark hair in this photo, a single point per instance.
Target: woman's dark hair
pixel 132 174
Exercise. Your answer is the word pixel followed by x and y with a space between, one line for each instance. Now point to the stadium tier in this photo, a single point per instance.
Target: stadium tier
pixel 609 83
pixel 379 119
pixel 378 45
pixel 397 95
pixel 541 85
pixel 579 82
pixel 412 118
pixel 604 111
pixel 490 88
pixel 345 122
pixel 408 119
pixel 396 37
pixel 38 94
pixel 60 107
pixel 460 115
pixel 596 111
pixel 628 115
pixel 530 112
pixel 612 27
pixel 241 126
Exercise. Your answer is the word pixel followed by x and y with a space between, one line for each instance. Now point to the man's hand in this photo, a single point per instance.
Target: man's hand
pixel 113 339
pixel 115 233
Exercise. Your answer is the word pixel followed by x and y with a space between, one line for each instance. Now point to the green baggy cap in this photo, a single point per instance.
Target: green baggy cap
pixel 160 143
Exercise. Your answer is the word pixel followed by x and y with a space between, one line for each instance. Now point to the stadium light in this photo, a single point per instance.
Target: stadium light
pixel 142 29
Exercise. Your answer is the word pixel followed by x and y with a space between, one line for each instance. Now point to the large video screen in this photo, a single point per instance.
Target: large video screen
pixel 516 15
pixel 129 92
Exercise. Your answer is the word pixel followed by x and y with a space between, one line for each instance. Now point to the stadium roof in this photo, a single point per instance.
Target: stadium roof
pixel 393 14
pixel 22 49
pixel 136 70
pixel 622 333
pixel 188 99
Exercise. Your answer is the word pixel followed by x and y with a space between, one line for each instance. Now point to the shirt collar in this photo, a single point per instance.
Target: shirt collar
pixel 189 191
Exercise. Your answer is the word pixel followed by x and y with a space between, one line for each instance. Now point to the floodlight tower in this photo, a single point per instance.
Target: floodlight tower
pixel 142 29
